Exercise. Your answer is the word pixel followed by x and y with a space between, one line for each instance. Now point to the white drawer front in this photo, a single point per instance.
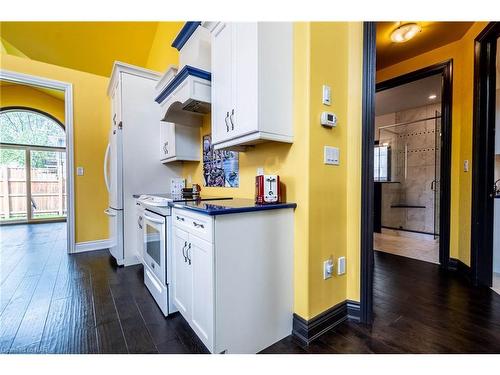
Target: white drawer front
pixel 197 224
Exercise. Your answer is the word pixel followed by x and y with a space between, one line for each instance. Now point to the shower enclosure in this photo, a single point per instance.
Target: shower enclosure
pixel 407 164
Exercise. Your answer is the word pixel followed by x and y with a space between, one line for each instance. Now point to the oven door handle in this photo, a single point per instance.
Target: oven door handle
pixel 153 220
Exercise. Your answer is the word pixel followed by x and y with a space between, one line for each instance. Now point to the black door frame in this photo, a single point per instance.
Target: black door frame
pixel 367 189
pixel 483 155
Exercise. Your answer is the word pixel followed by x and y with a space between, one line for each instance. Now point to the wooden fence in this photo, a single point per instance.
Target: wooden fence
pixel 48 192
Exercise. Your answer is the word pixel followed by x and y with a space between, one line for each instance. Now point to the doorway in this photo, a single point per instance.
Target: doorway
pixel 368 162
pixel 32 165
pixel 485 239
pixel 412 163
pixel 36 153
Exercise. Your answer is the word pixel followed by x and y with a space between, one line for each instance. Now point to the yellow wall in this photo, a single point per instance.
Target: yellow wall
pixel 327 218
pixel 90 123
pixel 25 96
pixel 462 53
pixel 162 54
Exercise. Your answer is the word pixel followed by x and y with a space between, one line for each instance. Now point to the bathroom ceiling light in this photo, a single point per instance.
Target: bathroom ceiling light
pixel 432 96
pixel 405 32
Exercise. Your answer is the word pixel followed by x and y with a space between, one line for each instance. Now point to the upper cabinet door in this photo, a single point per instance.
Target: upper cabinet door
pixel 221 80
pixel 245 78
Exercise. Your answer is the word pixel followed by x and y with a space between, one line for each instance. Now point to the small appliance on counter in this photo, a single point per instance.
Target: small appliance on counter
pixel 267 188
pixel 192 192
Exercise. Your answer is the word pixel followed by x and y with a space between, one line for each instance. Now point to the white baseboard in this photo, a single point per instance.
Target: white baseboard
pixel 92 245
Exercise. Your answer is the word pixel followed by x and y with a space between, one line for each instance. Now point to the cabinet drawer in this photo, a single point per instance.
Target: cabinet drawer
pixel 199 225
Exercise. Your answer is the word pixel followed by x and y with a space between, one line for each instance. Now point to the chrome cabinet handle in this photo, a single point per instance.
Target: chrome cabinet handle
pixel 183 253
pixel 179 218
pixel 187 252
pixel 139 222
pixel 114 119
pixel 231 119
pixel 165 149
pixel 197 225
pixel 225 120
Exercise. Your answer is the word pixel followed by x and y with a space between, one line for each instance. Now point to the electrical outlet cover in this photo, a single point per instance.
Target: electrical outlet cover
pixel 327 269
pixel 341 266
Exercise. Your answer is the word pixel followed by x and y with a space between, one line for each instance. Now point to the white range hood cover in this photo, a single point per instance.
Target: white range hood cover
pixel 187 97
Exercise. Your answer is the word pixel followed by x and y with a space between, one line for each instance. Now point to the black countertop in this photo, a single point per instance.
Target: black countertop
pixel 230 206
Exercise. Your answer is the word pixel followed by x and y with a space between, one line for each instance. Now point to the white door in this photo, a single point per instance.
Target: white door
pixel 221 82
pixel 116 234
pixel 244 108
pixel 181 273
pixel 114 168
pixel 202 313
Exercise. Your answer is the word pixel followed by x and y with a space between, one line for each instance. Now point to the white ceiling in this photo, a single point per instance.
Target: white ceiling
pixel 411 95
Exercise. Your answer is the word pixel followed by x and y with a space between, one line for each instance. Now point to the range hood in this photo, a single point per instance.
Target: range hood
pixel 186 97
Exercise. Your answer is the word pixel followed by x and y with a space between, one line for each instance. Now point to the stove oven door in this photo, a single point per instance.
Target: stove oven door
pixel 154 227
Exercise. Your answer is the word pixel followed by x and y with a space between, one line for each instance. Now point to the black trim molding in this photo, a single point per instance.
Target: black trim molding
pixel 306 331
pixel 367 180
pixel 456 265
pixel 483 155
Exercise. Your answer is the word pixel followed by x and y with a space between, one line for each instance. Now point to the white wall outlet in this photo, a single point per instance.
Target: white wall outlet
pixel 341 266
pixel 466 166
pixel 328 268
pixel 80 171
pixel 331 155
pixel 327 95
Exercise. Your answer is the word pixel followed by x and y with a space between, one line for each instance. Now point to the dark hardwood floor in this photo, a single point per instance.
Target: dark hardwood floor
pixel 51 302
pixel 418 308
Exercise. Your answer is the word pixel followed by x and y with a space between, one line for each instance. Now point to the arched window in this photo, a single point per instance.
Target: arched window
pixel 32 128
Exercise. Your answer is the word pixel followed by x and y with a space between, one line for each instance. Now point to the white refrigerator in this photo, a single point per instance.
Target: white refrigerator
pixel 132 160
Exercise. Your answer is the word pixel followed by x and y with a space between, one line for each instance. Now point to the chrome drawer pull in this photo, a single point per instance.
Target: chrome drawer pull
pixel 180 218
pixel 225 120
pixel 198 225
pixel 183 253
pixel 187 252
pixel 231 119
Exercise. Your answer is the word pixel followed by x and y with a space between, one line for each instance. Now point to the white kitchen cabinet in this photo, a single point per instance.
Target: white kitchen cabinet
pixel 202 308
pixel 252 83
pixel 226 282
pixel 182 272
pixel 179 142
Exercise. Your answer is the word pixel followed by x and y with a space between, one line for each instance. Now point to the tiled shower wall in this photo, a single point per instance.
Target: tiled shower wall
pixel 414 179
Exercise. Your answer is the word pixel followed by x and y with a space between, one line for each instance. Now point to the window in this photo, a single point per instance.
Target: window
pixel 26 127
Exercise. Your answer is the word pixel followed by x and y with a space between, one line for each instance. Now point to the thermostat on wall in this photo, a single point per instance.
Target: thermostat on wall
pixel 328 119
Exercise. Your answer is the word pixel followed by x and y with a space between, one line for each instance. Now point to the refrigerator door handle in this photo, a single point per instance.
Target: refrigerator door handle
pixel 106 178
pixel 109 213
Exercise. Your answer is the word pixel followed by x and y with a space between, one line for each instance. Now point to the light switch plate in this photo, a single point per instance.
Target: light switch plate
pixel 331 155
pixel 79 171
pixel 327 95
